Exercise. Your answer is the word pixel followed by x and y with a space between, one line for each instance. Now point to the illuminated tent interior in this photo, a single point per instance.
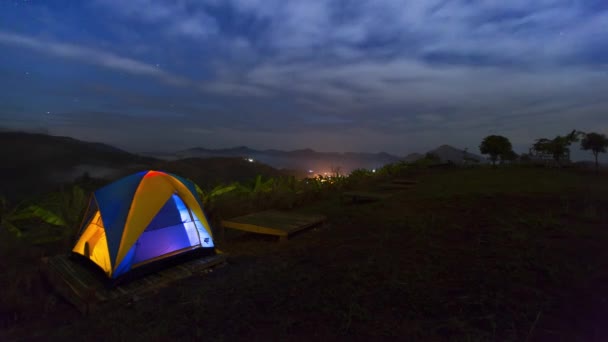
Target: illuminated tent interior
pixel 141 220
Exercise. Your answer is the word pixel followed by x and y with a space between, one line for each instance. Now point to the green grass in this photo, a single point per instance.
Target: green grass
pixel 466 255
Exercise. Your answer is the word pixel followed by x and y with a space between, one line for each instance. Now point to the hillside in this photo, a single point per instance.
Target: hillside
pixel 34 163
pixel 209 172
pixel 304 159
pixel 449 153
pixel 37 163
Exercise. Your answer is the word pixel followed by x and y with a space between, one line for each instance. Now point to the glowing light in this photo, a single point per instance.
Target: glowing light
pixel 250 160
pixel 374 170
pixel 310 171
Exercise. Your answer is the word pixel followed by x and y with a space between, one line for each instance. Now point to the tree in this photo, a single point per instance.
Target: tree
pixel 558 147
pixel 496 146
pixel 510 156
pixel 596 143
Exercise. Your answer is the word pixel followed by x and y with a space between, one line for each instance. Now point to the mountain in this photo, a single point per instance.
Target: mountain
pixel 449 153
pixel 304 159
pixel 34 162
pixel 412 157
pixel 209 172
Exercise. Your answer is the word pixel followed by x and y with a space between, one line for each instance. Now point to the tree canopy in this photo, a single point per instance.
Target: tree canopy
pixel 496 146
pixel 558 148
pixel 596 143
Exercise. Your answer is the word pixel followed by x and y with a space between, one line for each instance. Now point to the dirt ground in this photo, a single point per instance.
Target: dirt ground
pixel 468 255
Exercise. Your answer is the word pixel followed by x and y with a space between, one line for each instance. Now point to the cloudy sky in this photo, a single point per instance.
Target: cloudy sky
pixel 332 75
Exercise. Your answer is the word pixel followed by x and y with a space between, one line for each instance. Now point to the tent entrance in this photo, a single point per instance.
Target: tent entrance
pixel 174 230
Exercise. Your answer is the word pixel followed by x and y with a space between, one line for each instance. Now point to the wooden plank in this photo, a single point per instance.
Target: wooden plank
pixel 394 186
pixel 404 181
pixel 360 196
pixel 274 222
pixel 81 287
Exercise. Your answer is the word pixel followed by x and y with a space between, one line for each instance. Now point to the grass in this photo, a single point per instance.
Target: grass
pixel 466 255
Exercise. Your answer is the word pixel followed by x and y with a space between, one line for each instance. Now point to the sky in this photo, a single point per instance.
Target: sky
pixel 332 75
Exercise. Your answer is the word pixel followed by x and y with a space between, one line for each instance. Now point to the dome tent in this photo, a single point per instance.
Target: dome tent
pixel 141 220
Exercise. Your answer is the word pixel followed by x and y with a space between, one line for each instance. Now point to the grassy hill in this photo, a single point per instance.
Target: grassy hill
pixel 507 254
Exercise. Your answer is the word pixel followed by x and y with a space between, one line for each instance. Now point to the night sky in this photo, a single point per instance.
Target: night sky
pixel 332 75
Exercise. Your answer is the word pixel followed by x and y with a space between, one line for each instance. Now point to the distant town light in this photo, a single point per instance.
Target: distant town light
pixel 250 160
pixel 374 170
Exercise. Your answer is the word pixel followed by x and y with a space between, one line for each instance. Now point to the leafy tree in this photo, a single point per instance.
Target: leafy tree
pixel 558 147
pixel 596 143
pixel 509 156
pixel 9 216
pixel 207 197
pixel 60 210
pixel 496 146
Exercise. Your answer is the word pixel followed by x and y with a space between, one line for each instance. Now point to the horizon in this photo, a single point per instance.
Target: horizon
pixel 367 76
pixel 575 156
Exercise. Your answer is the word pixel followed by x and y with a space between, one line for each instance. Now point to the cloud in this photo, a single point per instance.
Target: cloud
pixel 176 17
pixel 433 69
pixel 92 56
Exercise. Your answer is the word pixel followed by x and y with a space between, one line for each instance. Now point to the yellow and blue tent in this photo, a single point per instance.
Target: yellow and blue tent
pixel 140 219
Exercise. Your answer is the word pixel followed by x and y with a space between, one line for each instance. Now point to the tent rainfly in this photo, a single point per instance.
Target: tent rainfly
pixel 143 219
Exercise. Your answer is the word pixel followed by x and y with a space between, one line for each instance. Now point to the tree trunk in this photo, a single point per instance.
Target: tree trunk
pixel 597 165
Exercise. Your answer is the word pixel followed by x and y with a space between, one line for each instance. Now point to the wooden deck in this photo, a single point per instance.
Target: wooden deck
pixel 398 184
pixel 404 181
pixel 365 196
pixel 83 288
pixel 274 222
pixel 394 186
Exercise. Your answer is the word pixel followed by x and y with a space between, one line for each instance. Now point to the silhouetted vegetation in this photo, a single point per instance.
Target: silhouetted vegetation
pixel 497 146
pixel 596 143
pixel 558 148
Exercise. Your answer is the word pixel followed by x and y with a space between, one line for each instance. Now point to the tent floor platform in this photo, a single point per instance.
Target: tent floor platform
pixel 404 181
pixel 274 222
pixel 394 186
pixel 83 288
pixel 365 196
pixel 399 184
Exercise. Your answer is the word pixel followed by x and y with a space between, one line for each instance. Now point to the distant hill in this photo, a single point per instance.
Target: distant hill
pixel 35 163
pixel 449 153
pixel 209 172
pixel 412 157
pixel 305 159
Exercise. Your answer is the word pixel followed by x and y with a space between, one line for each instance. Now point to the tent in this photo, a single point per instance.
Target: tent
pixel 143 220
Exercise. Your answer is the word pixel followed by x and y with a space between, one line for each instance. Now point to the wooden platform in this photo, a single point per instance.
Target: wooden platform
pixel 274 222
pixel 364 196
pixel 399 184
pixel 83 288
pixel 394 186
pixel 404 181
